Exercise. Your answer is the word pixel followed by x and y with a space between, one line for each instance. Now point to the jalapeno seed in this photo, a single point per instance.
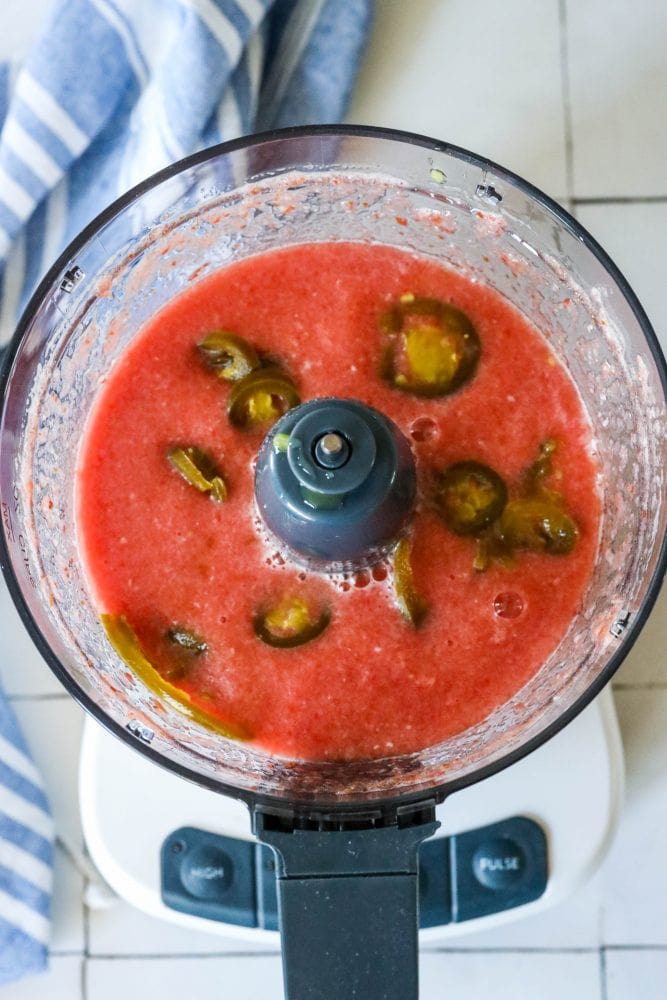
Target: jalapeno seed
pixel 187 640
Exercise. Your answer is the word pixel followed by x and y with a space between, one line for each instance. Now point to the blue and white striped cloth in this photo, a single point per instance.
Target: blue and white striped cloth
pixel 112 91
pixel 26 856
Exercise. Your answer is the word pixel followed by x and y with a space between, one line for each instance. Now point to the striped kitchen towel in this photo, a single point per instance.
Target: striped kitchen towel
pixel 114 90
pixel 26 856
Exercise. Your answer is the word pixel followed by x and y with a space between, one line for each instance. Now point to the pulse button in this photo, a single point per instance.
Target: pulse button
pixel 499 863
pixel 498 867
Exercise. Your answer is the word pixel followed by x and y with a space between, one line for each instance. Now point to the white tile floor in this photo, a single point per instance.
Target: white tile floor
pixel 574 96
pixel 485 76
pixel 633 973
pixel 618 97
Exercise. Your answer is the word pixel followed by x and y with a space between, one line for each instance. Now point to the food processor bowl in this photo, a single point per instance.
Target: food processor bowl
pixel 303 186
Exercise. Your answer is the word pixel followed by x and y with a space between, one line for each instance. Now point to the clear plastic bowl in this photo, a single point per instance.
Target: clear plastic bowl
pixel 306 185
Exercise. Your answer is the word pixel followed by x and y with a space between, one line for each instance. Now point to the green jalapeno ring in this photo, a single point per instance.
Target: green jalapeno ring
pixel 469 497
pixel 230 356
pixel 440 356
pixel 262 396
pixel 537 524
pixel 534 521
pixel 272 637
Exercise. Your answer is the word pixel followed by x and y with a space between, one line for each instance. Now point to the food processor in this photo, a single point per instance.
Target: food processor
pixel 345 835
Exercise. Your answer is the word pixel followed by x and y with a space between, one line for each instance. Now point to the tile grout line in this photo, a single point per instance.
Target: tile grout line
pixel 603 974
pixel 431 950
pixel 600 951
pixel 639 686
pixel 515 950
pixel 176 956
pixel 50 696
pixel 634 947
pixel 566 102
pixel 621 199
pixel 86 940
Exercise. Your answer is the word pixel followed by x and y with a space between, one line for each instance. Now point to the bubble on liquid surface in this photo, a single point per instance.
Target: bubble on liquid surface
pixel 423 429
pixel 509 604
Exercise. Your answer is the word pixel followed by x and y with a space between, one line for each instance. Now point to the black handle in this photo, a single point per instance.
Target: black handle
pixel 347 905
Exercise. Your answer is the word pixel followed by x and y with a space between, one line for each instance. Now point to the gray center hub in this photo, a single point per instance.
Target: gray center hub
pixel 336 482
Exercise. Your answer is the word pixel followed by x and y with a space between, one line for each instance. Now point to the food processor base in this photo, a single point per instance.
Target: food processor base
pixel 509 846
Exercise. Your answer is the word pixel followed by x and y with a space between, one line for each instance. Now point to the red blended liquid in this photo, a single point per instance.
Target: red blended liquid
pixel 164 555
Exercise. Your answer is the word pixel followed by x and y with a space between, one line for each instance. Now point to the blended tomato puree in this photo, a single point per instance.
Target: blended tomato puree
pixel 163 554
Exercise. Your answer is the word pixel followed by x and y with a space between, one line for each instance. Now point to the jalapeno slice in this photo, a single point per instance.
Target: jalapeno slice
pixel 122 637
pixel 537 524
pixel 433 348
pixel 470 496
pixel 231 357
pixel 473 500
pixel 413 607
pixel 199 470
pixel 290 623
pixel 186 640
pixel 262 397
pixel 541 469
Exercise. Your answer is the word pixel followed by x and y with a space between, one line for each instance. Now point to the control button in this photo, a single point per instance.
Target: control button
pixel 207 872
pixel 267 892
pixel 469 875
pixel 499 863
pixel 497 867
pixel 207 875
pixel 435 898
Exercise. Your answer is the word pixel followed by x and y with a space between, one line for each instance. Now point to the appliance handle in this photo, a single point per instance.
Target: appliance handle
pixel 348 907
